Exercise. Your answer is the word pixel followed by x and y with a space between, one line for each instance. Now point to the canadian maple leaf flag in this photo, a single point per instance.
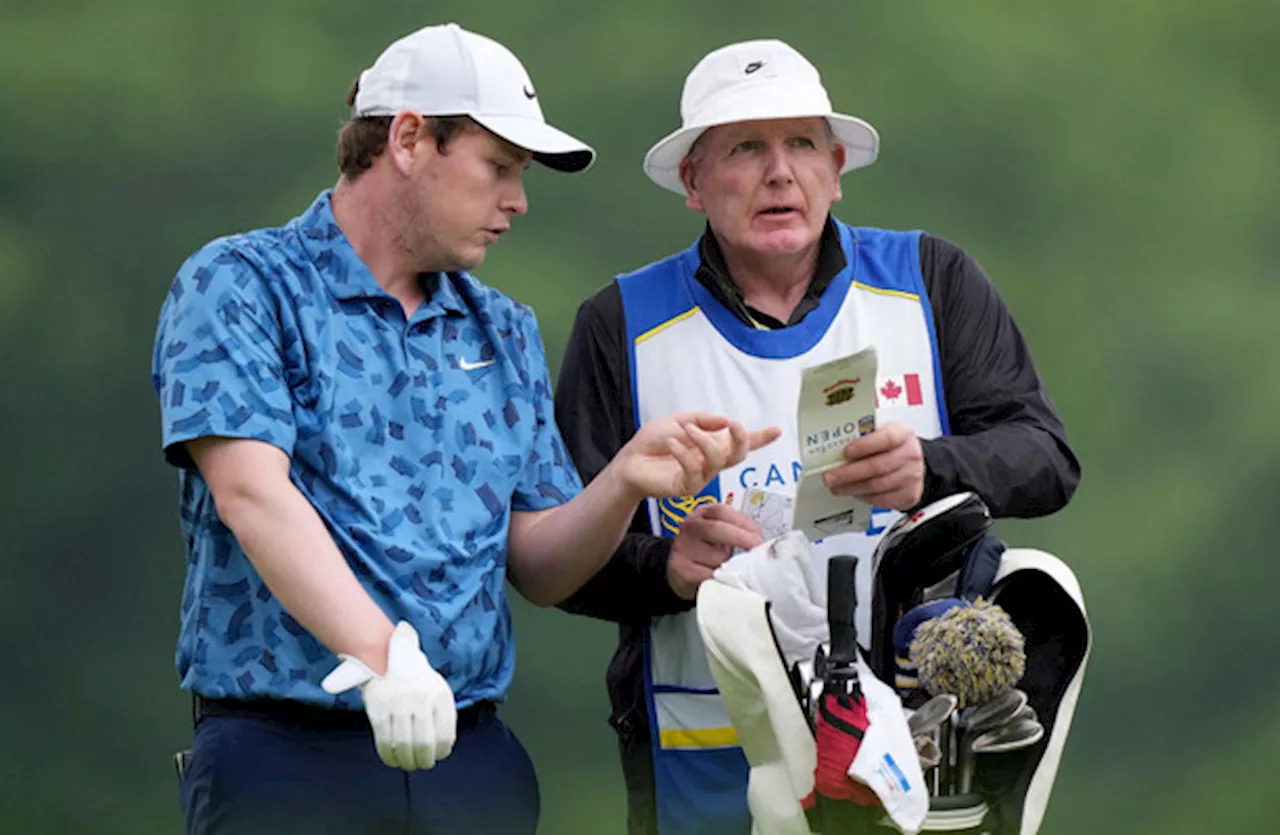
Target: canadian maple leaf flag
pixel 902 390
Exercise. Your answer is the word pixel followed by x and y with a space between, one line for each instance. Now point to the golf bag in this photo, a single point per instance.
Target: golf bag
pixel 947 550
pixel 944 550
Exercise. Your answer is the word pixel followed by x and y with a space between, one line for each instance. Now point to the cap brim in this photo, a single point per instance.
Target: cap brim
pixel 550 146
pixel 662 163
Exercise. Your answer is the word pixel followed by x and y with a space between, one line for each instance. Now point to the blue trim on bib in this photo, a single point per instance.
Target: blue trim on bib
pixel 651 296
pixel 703 791
pixel 892 263
pixel 887 260
pixel 775 344
pixel 654 294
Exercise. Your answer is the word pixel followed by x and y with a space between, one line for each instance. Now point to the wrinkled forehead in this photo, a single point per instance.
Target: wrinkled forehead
pixel 813 127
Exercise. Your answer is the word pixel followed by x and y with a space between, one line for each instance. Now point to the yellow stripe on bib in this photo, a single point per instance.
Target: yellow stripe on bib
pixel 698 737
pixel 642 337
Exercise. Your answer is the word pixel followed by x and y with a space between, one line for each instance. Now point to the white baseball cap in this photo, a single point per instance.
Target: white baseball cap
pixel 447 71
pixel 750 81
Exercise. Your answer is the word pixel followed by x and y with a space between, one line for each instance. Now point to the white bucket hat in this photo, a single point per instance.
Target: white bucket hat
pixel 447 71
pixel 750 81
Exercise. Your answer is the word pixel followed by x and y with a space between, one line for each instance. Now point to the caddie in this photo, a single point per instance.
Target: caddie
pixel 774 284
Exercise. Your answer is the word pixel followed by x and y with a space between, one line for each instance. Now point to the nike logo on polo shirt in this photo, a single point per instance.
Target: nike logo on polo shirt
pixel 472 366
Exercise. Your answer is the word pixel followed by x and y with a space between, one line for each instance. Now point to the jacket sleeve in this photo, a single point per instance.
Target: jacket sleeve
pixel 1007 443
pixel 596 418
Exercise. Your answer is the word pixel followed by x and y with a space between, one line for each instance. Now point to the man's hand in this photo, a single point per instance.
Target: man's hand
pixel 551 553
pixel 704 542
pixel 410 707
pixel 679 454
pixel 885 469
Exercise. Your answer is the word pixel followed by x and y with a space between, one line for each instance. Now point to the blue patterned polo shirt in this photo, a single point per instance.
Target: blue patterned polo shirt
pixel 414 440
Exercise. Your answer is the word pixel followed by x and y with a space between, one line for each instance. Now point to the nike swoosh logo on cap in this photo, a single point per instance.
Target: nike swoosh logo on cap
pixel 529 94
pixel 472 366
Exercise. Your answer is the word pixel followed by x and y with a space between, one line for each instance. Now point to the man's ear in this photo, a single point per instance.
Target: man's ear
pixel 839 155
pixel 406 140
pixel 689 176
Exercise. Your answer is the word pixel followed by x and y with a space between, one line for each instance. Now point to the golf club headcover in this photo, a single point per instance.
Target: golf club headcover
pixel 973 652
pixel 980 568
pixel 905 678
pixel 946 523
pixel 922 550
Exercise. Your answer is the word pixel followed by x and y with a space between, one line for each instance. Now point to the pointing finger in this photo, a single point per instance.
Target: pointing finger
pixel 763 437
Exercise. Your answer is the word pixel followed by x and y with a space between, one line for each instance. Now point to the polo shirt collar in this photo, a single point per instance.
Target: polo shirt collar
pixel 442 291
pixel 346 275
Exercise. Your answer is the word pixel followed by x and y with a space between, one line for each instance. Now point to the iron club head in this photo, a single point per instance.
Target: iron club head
pixel 932 714
pixel 990 723
pixel 1012 736
pixel 928 751
pixel 994 712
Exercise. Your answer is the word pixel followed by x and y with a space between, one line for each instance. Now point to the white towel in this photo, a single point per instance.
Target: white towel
pixel 781 571
pixel 887 761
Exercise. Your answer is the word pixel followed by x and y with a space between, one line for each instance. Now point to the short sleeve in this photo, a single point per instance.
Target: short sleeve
pixel 549 477
pixel 218 365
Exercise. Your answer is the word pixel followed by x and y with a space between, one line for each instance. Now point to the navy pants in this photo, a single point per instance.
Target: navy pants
pixel 271 775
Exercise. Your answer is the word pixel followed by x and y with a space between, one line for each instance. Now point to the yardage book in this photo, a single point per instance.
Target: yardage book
pixel 837 404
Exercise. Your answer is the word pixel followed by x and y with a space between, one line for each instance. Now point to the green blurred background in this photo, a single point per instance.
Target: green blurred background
pixel 1111 164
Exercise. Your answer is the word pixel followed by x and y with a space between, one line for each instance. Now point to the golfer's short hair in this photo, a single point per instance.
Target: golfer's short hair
pixel 363 138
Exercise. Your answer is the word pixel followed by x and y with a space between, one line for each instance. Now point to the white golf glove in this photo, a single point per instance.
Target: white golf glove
pixel 411 708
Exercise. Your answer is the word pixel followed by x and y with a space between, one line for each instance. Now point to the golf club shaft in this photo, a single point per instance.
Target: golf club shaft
pixel 964 779
pixel 942 774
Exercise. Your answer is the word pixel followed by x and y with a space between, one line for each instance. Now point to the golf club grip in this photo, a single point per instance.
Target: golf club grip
pixel 842 600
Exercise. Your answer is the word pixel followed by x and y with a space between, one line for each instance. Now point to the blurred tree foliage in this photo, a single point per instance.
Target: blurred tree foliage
pixel 1111 164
